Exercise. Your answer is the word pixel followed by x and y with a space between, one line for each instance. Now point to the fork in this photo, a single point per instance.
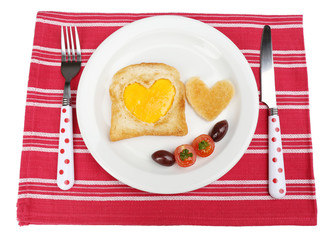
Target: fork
pixel 70 67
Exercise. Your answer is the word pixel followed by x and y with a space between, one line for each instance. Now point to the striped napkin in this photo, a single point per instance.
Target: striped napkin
pixel 239 198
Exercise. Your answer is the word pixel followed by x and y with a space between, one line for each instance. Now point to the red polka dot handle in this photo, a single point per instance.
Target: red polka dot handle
pixel 65 173
pixel 277 182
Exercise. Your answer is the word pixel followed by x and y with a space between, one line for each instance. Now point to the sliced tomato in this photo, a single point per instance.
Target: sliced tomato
pixel 185 155
pixel 203 145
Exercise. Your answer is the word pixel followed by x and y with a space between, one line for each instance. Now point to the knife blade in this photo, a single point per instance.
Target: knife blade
pixel 276 170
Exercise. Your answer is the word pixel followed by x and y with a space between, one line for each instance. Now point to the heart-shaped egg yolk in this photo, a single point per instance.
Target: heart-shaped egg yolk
pixel 149 104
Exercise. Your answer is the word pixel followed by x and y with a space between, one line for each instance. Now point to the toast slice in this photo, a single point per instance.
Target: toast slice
pixel 125 124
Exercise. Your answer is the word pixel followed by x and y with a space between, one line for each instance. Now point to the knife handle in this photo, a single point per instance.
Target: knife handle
pixel 65 171
pixel 276 175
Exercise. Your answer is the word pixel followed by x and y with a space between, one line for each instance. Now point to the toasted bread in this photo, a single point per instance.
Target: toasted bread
pixel 208 103
pixel 124 124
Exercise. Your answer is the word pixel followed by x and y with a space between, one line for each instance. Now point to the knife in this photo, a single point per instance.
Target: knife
pixel 276 174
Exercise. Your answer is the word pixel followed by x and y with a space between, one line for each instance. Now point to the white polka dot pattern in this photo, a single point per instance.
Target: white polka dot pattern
pixel 65 172
pixel 277 182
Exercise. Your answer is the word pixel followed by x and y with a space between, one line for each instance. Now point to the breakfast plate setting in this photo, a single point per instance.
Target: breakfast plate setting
pixel 195 49
pixel 164 122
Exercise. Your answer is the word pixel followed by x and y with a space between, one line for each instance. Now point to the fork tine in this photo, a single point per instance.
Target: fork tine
pixel 68 46
pixel 72 43
pixel 78 47
pixel 63 47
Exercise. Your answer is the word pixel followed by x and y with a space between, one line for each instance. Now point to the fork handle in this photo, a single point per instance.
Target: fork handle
pixel 65 171
pixel 277 181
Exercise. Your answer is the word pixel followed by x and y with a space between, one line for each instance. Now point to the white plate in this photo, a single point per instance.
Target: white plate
pixel 195 49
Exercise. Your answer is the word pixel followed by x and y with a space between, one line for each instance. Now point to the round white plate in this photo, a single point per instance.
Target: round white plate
pixel 195 49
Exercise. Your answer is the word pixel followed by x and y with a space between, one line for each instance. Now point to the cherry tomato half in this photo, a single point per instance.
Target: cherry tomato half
pixel 185 155
pixel 203 145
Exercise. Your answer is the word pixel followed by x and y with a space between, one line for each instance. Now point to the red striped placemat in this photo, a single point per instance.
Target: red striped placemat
pixel 239 198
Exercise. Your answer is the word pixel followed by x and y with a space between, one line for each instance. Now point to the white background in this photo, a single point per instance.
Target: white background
pixel 16 38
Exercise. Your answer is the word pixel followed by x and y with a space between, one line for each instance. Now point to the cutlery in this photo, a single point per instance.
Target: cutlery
pixel 276 175
pixel 70 67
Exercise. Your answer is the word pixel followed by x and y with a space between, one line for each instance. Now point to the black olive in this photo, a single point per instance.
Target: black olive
pixel 164 158
pixel 219 130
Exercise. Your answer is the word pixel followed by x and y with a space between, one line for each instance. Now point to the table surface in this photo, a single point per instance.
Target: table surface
pixel 16 41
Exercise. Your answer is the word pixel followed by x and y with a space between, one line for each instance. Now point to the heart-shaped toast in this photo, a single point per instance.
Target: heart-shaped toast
pixel 208 102
pixel 149 104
